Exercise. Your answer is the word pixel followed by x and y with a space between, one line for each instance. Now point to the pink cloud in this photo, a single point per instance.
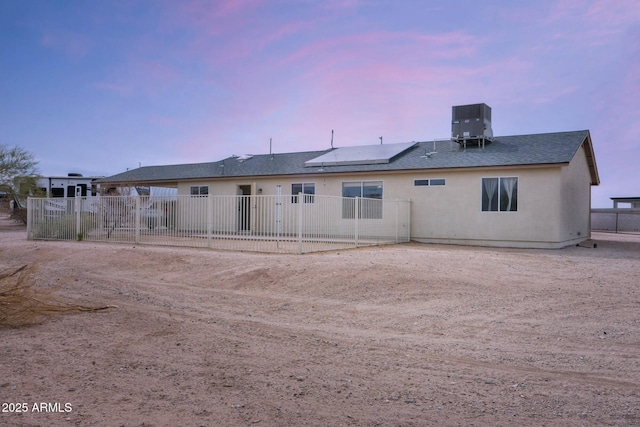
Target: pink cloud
pixel 593 22
pixel 145 77
pixel 223 33
pixel 362 83
pixel 378 61
pixel 119 89
pixel 214 17
pixel 566 9
pixel 404 101
pixel 613 13
pixel 340 4
pixel 402 49
pixel 163 121
pixel 73 45
pixel 158 72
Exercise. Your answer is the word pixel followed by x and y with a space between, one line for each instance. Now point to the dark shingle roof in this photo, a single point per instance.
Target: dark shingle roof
pixel 549 148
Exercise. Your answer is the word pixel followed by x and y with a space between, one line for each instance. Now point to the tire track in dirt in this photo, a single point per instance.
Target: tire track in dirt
pixel 269 326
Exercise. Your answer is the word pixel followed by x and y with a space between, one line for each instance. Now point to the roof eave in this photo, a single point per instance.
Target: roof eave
pixel 133 183
pixel 591 159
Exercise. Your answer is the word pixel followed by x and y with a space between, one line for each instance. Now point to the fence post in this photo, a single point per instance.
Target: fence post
pixel 356 215
pixel 78 208
pixel 300 223
pixel 278 214
pixel 29 216
pixel 408 220
pixel 209 220
pixel 397 203
pixel 137 220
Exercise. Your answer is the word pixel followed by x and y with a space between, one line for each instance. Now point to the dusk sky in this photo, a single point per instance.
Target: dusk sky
pixel 99 87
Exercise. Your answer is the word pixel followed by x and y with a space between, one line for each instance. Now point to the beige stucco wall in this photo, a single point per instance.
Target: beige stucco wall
pixel 553 202
pixel 453 213
pixel 575 224
pixel 327 212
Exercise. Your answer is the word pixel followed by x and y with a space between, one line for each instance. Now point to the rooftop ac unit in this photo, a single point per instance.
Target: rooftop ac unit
pixel 471 122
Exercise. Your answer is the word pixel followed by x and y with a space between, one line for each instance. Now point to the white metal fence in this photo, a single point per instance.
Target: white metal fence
pixel 616 220
pixel 283 223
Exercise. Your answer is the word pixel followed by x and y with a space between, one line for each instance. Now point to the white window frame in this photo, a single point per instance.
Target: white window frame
pixel 428 182
pixel 369 208
pixel 200 190
pixel 305 186
pixel 498 193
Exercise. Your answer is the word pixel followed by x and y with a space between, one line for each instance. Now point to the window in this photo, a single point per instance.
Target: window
pixel 428 182
pixel 57 192
pixel 500 194
pixel 201 190
pixel 370 206
pixel 306 188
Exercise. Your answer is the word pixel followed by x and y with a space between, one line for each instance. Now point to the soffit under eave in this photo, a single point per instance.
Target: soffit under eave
pixel 390 171
pixel 481 168
pixel 174 183
pixel 141 183
pixel 422 171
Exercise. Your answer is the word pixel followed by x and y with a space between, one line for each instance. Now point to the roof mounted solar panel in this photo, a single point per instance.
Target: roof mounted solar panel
pixel 360 155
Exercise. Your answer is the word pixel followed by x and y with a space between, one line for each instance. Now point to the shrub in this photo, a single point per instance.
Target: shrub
pixel 64 227
pixel 21 304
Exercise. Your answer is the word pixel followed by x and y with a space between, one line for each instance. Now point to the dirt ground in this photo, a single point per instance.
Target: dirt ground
pixel 406 335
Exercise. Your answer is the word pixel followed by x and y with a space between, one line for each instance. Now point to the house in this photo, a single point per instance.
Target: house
pixel 529 191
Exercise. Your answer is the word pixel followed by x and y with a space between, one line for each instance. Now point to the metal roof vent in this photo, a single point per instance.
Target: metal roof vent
pixel 471 123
